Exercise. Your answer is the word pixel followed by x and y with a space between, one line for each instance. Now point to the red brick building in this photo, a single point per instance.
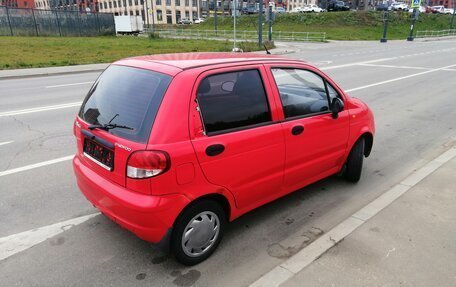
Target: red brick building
pixel 18 3
pixel 446 3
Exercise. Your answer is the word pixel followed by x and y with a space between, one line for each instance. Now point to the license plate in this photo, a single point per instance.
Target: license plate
pixel 99 154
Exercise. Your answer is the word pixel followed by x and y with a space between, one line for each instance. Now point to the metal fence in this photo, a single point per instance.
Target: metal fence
pixel 240 35
pixel 37 22
pixel 433 33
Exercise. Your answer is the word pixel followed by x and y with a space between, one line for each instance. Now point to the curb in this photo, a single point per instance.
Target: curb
pixel 298 262
pixel 21 74
pixel 286 52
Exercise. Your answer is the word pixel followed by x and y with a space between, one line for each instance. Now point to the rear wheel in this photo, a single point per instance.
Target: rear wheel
pixel 354 163
pixel 197 232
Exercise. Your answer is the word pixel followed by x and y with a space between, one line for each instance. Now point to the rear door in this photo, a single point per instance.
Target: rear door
pixel 315 141
pixel 123 96
pixel 238 143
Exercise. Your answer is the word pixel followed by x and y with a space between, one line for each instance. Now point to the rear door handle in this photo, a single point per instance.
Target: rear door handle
pixel 297 130
pixel 215 149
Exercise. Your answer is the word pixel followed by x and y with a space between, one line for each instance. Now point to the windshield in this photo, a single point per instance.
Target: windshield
pixel 132 94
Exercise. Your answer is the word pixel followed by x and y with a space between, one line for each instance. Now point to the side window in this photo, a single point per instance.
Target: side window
pixel 302 92
pixel 232 100
pixel 332 92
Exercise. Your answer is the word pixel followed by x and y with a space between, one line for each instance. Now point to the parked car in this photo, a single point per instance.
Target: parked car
pixel 315 8
pixel 297 10
pixel 448 11
pixel 312 8
pixel 421 9
pixel 338 6
pixel 280 10
pixel 198 20
pixel 174 146
pixel 249 10
pixel 399 6
pixel 306 9
pixel 438 9
pixel 184 21
pixel 382 7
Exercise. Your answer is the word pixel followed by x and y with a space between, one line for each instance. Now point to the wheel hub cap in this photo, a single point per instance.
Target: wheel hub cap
pixel 200 233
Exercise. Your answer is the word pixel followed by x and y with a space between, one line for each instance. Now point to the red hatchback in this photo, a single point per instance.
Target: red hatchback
pixel 174 146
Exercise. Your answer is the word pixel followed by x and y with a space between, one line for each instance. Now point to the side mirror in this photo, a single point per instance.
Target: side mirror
pixel 336 107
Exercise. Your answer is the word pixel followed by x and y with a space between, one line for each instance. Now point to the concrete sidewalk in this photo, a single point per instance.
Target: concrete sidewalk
pixel 411 242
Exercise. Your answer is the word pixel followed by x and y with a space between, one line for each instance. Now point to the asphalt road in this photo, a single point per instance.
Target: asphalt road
pixel 409 86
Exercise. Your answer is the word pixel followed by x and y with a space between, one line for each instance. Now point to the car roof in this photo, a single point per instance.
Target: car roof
pixel 174 63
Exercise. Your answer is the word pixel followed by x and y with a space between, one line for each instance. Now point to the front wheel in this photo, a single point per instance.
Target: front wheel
pixel 197 232
pixel 354 163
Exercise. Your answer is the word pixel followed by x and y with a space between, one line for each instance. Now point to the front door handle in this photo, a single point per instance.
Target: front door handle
pixel 297 130
pixel 215 149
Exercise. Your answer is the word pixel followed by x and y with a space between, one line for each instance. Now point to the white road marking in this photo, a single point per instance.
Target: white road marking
pixel 75 104
pixel 381 60
pixel 400 78
pixel 4 143
pixel 67 85
pixel 394 67
pixel 36 165
pixel 354 64
pixel 19 242
pixel 313 251
pixel 39 109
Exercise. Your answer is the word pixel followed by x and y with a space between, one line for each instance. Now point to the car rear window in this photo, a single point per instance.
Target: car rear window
pixel 127 96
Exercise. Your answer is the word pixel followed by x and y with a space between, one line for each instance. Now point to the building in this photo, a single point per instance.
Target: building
pixel 69 5
pixel 292 4
pixel 445 3
pixel 42 4
pixel 171 11
pixel 122 7
pixel 18 3
pixel 159 11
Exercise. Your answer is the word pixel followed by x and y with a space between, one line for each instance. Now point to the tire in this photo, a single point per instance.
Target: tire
pixel 203 216
pixel 354 165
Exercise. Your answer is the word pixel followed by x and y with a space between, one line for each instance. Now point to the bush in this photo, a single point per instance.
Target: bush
pixel 153 35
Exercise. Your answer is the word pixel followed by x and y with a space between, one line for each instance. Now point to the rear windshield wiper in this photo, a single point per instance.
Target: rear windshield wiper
pixel 109 126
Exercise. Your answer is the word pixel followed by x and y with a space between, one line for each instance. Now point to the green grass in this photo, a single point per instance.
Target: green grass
pixel 338 25
pixel 32 52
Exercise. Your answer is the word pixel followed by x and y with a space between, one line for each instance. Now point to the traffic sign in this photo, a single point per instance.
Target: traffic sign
pixel 415 4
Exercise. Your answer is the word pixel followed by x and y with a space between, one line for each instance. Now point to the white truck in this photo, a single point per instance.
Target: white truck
pixel 129 24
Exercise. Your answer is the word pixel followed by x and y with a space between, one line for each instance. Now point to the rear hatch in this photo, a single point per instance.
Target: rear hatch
pixel 116 118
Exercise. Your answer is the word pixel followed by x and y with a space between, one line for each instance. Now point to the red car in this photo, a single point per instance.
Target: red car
pixel 172 147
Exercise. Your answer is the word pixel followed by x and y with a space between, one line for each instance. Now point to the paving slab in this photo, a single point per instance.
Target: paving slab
pixel 409 243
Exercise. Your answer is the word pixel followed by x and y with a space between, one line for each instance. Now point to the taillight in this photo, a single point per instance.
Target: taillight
pixel 145 164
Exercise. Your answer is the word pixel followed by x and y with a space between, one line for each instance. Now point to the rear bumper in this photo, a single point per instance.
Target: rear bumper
pixel 149 217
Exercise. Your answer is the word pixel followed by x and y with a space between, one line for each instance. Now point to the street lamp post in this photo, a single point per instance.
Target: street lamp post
pixel 215 15
pixel 260 23
pixel 270 23
pixel 454 11
pixel 234 24
pixel 385 27
pixel 146 18
pixel 153 15
pixel 412 26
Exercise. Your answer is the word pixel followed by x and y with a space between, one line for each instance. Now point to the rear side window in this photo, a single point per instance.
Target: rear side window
pixel 232 100
pixel 302 92
pixel 127 96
